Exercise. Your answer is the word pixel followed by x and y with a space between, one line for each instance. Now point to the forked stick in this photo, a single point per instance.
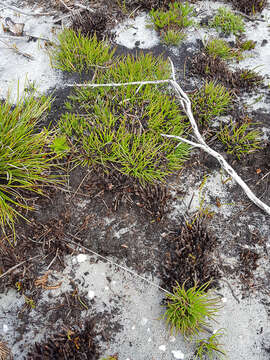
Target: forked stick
pixel 186 104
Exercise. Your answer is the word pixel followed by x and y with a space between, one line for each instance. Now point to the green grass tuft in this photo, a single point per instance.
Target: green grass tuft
pixel 210 348
pixel 120 127
pixel 220 48
pixel 176 17
pixel 173 37
pixel 77 53
pixel 239 139
pixel 189 311
pixel 25 159
pixel 228 22
pixel 210 101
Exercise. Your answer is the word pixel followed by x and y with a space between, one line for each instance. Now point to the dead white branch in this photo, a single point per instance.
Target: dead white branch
pixel 121 84
pixel 186 104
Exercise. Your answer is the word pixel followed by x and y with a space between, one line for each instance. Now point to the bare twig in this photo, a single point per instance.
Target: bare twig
pixel 121 84
pixel 23 12
pixel 186 105
pixel 14 48
pixel 114 263
pixel 18 265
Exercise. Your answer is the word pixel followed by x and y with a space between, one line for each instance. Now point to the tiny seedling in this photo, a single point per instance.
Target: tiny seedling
pixel 228 22
pixel 210 348
pixel 220 48
pixel 189 311
pixel 173 37
pixel 238 139
pixel 78 53
pixel 210 101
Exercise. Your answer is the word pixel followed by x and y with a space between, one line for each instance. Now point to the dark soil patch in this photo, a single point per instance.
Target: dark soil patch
pixel 73 343
pixel 213 68
pixel 249 7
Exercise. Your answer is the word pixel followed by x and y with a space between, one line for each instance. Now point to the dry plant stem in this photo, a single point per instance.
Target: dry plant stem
pixel 113 263
pixel 23 12
pixel 121 84
pixel 18 265
pixel 186 104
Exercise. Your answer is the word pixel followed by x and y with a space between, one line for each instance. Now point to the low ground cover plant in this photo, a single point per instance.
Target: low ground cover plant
pixel 228 22
pixel 119 128
pixel 189 311
pixel 171 22
pixel 210 348
pixel 25 157
pixel 210 101
pixel 76 52
pixel 220 48
pixel 240 139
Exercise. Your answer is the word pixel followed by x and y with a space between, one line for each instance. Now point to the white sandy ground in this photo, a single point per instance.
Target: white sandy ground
pixel 143 336
pixel 18 71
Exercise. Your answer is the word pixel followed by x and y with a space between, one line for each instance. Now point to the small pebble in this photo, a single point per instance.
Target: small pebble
pixel 162 348
pixel 81 258
pixel 178 354
pixel 91 294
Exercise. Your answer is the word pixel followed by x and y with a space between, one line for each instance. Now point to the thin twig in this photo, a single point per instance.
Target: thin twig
pixel 27 56
pixel 113 263
pixel 121 84
pixel 23 12
pixel 18 265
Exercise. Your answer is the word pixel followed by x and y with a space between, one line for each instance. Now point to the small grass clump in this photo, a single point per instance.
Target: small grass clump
pixel 173 37
pixel 228 22
pixel 239 139
pixel 25 158
pixel 247 45
pixel 189 311
pixel 176 17
pixel 210 347
pixel 210 101
pixel 220 48
pixel 78 53
pixel 119 128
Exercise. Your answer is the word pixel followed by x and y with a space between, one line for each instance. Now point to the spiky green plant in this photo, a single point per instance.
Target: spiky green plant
pixel 25 159
pixel 247 45
pixel 210 101
pixel 173 37
pixel 239 139
pixel 210 347
pixel 220 48
pixel 228 22
pixel 177 17
pixel 78 53
pixel 189 311
pixel 119 128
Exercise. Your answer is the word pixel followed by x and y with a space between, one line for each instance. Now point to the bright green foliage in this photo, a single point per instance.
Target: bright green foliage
pixel 173 37
pixel 120 127
pixel 177 17
pixel 210 348
pixel 24 156
pixel 220 48
pixel 189 311
pixel 228 22
pixel 210 101
pixel 59 145
pixel 239 140
pixel 247 45
pixel 76 52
